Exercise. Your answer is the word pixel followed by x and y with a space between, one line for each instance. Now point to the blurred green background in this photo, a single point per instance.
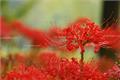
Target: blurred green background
pixel 60 12
pixel 44 13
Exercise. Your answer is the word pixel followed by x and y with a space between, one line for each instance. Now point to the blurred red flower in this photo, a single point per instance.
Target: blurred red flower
pixel 114 73
pixel 25 73
pixel 63 69
pixel 38 37
pixel 5 31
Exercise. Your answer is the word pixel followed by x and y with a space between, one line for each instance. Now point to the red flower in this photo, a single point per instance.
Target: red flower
pixel 25 73
pixel 5 31
pixel 48 57
pixel 112 35
pixel 72 70
pixel 76 35
pixel 38 37
pixel 63 69
pixel 114 73
pixel 84 31
pixel 20 58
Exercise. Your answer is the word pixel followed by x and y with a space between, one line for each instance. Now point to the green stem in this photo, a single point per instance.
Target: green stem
pixel 81 64
pixel 82 57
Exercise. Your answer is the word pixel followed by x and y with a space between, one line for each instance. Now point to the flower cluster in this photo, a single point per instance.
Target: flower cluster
pixel 25 73
pixel 48 66
pixel 114 73
pixel 76 35
pixel 84 31
pixel 71 69
pixel 5 31
pixel 112 35
pixel 57 69
pixel 81 32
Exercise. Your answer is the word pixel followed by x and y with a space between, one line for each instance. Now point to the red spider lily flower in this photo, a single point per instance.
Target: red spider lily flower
pixel 56 35
pixel 25 73
pixel 38 37
pixel 64 69
pixel 112 35
pixel 71 70
pixel 84 31
pixel 46 57
pixel 77 34
pixel 114 73
pixel 5 31
pixel 81 32
pixel 51 63
pixel 20 58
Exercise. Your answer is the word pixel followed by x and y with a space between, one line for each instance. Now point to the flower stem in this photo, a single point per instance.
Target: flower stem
pixel 82 57
pixel 82 60
pixel 82 64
